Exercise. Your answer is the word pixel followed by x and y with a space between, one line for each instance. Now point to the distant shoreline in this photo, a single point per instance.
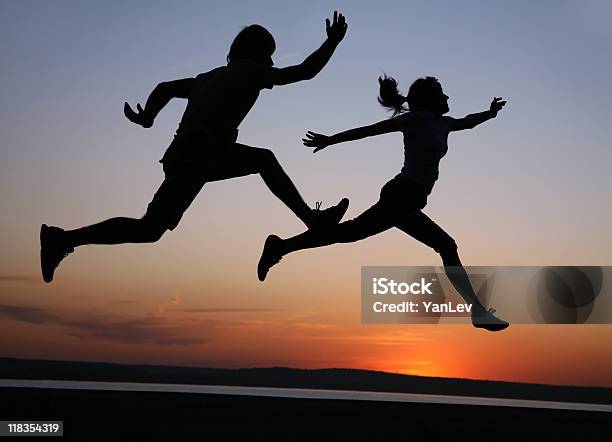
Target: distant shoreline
pixel 281 377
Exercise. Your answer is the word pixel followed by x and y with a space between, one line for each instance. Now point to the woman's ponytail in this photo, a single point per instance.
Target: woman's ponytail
pixel 389 95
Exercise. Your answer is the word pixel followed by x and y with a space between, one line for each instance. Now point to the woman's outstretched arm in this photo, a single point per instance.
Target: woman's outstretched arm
pixel 319 141
pixel 473 120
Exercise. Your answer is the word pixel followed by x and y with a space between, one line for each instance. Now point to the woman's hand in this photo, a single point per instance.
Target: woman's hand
pixel 497 104
pixel 318 141
pixel 140 117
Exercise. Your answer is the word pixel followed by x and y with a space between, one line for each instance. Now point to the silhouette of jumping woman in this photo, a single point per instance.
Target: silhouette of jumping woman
pixel 425 130
pixel 204 148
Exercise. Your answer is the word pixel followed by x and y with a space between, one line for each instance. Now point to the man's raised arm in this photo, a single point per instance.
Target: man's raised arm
pixel 313 64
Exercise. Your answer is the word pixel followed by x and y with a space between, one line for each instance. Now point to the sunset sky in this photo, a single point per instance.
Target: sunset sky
pixel 531 187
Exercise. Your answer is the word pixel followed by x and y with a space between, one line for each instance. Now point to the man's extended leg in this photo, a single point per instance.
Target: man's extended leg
pixel 164 212
pixel 56 243
pixel 241 160
pixel 422 228
pixel 372 221
pixel 117 231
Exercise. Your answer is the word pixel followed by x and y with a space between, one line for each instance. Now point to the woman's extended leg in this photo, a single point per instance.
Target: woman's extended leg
pixel 374 220
pixel 422 228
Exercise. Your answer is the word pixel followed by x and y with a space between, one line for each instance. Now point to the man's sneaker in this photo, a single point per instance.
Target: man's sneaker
pixel 270 256
pixel 489 321
pixel 322 219
pixel 52 250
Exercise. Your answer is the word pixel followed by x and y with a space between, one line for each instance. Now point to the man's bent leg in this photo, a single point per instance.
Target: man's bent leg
pixel 241 160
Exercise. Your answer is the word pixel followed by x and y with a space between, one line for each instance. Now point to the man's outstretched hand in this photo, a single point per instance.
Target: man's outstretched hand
pixel 337 29
pixel 497 104
pixel 140 117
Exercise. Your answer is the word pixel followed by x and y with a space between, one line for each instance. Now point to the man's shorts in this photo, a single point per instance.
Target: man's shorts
pixel 184 180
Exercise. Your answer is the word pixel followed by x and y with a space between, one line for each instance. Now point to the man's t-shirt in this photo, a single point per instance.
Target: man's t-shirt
pixel 217 104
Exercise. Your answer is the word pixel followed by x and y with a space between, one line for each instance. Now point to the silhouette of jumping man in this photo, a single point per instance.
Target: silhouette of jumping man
pixel 204 148
pixel 425 130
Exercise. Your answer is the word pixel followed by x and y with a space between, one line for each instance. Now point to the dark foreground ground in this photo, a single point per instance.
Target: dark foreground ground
pixel 118 416
pixel 135 416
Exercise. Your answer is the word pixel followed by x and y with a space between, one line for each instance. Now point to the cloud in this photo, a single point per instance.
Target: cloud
pixel 20 278
pixel 181 341
pixel 32 315
pixel 123 301
pixel 152 330
pixel 175 299
pixel 144 330
pixel 284 327
pixel 379 339
pixel 228 310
